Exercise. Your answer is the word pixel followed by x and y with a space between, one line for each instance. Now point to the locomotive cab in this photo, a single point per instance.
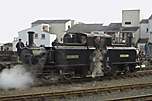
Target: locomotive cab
pixel 86 39
pixel 75 39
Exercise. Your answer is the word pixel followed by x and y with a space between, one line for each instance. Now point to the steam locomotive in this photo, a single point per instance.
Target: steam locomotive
pixel 72 57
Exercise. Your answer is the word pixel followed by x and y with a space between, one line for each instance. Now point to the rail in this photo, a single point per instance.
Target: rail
pixel 147 97
pixel 53 95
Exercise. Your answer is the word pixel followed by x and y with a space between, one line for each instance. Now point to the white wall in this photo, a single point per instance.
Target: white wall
pixel 143 30
pixel 150 25
pixel 59 28
pixel 132 16
pixel 136 36
pixel 38 41
pixel 55 28
pixel 150 30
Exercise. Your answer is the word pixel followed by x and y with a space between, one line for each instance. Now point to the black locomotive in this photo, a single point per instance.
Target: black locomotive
pixel 72 57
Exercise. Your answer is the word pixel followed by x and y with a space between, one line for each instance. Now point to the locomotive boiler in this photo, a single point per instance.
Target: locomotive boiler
pixel 72 58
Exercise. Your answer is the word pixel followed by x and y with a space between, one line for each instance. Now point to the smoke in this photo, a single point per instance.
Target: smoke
pixel 16 77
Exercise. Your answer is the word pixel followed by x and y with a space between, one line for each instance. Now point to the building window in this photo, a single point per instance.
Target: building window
pixel 45 27
pixel 68 26
pixel 127 23
pixel 36 36
pixel 147 30
pixel 42 36
pixel 42 45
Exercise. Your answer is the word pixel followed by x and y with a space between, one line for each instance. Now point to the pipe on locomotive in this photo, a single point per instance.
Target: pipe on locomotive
pixel 129 39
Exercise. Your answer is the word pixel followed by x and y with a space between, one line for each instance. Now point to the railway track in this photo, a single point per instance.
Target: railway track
pixel 134 98
pixel 80 92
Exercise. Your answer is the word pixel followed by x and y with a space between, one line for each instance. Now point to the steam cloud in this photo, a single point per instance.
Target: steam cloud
pixel 16 77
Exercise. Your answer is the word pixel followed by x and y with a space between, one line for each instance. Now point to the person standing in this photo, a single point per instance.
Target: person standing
pixel 96 63
pixel 97 58
pixel 19 47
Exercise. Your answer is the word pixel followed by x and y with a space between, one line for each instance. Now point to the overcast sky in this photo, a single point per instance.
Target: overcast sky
pixel 17 15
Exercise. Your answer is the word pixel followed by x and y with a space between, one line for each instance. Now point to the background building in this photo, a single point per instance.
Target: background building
pixel 42 37
pixel 58 27
pixel 45 32
pixel 130 18
pixel 150 28
pixel 120 32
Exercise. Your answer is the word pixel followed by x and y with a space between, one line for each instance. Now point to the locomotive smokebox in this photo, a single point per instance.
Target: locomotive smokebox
pixel 31 38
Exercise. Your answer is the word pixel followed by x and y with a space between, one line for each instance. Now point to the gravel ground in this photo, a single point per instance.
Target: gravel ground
pixel 64 87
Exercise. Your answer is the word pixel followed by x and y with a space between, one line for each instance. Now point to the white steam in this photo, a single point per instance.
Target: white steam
pixel 16 77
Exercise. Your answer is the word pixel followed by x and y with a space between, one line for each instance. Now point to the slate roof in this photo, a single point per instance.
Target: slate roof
pixel 50 21
pixel 113 27
pixel 129 29
pixel 143 40
pixel 115 24
pixel 87 28
pixel 116 27
pixel 144 21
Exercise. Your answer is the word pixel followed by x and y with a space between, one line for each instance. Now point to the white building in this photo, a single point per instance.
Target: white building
pixel 128 27
pixel 130 18
pixel 145 32
pixel 58 27
pixel 150 28
pixel 144 29
pixel 42 37
pixel 45 32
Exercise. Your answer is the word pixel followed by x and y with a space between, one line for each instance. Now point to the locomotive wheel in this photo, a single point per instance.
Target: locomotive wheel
pixel 48 79
pixel 132 68
pixel 65 76
pixel 126 70
pixel 115 70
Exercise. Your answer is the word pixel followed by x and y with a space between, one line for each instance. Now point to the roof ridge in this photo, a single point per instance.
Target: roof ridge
pixel 51 21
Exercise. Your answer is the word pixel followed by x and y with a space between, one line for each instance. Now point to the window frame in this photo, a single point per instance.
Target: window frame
pixel 127 23
pixel 43 37
pixel 36 36
pixel 147 30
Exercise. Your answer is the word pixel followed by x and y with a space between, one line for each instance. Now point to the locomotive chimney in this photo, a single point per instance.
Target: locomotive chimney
pixel 30 38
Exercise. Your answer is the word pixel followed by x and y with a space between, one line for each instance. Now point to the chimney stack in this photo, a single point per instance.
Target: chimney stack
pixel 31 38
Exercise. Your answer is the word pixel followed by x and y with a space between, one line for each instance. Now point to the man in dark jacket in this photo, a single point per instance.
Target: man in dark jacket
pixel 19 47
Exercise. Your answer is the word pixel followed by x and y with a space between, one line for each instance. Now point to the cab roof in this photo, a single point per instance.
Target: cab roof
pixel 93 34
